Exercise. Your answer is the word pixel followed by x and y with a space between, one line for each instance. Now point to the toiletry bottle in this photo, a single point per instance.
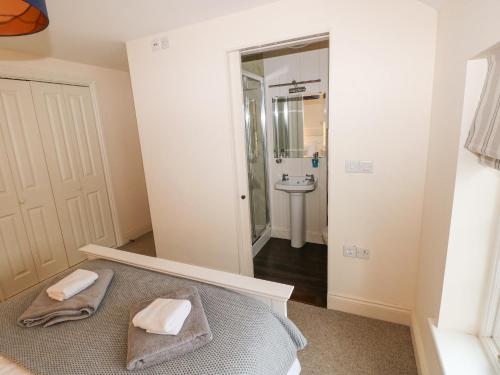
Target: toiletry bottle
pixel 315 160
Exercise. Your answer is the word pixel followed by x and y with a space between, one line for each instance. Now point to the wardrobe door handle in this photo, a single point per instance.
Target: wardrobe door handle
pixel 243 196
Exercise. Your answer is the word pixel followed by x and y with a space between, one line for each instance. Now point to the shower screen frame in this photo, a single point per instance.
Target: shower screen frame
pixel 263 123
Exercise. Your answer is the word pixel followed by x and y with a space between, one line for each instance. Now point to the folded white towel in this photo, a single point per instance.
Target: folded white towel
pixel 72 284
pixel 163 316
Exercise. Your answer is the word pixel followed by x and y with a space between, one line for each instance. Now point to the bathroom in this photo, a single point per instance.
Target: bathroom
pixel 285 95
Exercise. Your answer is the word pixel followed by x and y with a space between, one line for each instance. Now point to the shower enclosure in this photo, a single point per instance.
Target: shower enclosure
pixel 255 130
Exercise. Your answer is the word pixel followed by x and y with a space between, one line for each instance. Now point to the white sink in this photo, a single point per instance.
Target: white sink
pixel 296 184
pixel 297 187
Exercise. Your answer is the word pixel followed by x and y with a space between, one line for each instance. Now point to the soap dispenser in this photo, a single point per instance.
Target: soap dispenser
pixel 315 160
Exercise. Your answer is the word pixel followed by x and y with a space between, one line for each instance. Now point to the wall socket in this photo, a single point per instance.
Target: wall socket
pixel 352 251
pixel 362 253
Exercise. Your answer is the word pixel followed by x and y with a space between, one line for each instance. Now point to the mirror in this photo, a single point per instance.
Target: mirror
pixel 299 123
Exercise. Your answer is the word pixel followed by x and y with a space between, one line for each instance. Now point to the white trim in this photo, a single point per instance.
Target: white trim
pixel 261 242
pixel 460 353
pixel 284 233
pixel 490 322
pixel 493 296
pixel 370 309
pixel 418 346
pixel 242 206
pixel 273 45
pixel 276 295
pixel 491 350
pixel 28 74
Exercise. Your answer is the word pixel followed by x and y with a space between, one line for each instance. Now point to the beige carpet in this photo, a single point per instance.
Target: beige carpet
pixel 144 245
pixel 346 344
pixel 339 343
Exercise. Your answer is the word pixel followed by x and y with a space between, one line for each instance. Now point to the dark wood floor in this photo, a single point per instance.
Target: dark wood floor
pixel 304 268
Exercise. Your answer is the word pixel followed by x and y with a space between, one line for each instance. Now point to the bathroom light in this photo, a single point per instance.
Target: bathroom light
pixel 22 17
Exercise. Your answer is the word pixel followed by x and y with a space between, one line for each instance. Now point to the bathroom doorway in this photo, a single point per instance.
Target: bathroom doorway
pixel 285 95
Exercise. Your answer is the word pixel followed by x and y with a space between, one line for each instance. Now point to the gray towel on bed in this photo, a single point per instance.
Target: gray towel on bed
pixel 47 311
pixel 149 349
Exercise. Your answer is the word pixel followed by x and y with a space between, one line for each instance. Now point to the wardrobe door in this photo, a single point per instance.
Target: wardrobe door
pixel 20 132
pixel 75 168
pixel 17 269
pixel 82 119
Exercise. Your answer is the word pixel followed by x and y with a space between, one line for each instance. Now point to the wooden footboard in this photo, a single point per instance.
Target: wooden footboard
pixel 274 294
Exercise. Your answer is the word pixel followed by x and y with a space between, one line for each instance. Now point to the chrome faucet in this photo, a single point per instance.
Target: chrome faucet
pixel 310 177
pixel 284 177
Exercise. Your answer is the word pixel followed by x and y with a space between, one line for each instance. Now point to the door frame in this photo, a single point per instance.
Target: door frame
pixel 47 77
pixel 242 206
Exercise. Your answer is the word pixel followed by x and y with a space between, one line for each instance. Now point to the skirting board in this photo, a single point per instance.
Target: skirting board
pixel 370 309
pixel 418 346
pixel 312 237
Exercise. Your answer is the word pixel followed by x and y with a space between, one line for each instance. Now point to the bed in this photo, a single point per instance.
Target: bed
pixel 140 277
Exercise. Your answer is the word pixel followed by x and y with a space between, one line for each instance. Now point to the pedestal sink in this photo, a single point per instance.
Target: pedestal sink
pixel 297 187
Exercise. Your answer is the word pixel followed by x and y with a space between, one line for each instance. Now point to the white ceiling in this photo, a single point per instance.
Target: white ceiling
pixel 94 31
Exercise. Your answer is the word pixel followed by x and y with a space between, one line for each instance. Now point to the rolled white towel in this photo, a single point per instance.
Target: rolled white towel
pixel 163 316
pixel 72 284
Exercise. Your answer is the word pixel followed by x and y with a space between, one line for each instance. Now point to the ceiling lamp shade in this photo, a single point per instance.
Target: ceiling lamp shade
pixel 22 17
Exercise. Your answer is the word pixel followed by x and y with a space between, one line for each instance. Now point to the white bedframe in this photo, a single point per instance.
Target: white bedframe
pixel 276 295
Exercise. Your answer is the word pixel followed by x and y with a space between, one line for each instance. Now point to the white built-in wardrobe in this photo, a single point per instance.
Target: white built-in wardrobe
pixel 53 196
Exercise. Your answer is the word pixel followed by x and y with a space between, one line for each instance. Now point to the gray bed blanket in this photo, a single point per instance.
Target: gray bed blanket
pixel 46 311
pixel 248 338
pixel 148 349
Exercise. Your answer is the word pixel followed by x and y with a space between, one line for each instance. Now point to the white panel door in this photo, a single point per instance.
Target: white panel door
pixel 83 120
pixel 20 132
pixel 17 269
pixel 69 135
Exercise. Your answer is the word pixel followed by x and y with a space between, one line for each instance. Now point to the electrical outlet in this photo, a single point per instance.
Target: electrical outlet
pixel 155 44
pixel 350 251
pixel 362 253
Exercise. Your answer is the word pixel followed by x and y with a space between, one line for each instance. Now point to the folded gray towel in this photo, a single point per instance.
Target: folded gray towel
pixel 148 349
pixel 47 311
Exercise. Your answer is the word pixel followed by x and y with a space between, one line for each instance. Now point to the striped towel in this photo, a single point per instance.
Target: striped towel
pixel 484 135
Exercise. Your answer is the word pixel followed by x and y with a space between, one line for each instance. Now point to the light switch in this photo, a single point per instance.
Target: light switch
pixel 359 166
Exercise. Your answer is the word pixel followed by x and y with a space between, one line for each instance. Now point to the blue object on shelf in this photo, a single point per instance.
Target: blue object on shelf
pixel 315 162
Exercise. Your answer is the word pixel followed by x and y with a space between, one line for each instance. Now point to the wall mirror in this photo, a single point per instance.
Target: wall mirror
pixel 299 125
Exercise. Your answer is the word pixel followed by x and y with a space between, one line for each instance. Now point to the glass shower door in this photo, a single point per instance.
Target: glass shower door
pixel 253 91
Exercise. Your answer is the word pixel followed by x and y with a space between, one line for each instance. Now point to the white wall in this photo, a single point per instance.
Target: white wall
pixel 116 107
pixel 308 65
pixel 459 39
pixel 381 66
